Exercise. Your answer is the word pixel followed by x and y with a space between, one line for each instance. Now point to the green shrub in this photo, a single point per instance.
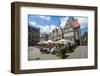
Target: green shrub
pixel 62 50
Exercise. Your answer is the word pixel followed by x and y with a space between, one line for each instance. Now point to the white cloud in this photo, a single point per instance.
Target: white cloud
pixel 52 27
pixel 47 29
pixel 45 17
pixel 83 26
pixel 33 23
pixel 63 21
pixel 41 29
pixel 83 21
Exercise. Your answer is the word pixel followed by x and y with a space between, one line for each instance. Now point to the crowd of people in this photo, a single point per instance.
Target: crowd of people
pixel 55 49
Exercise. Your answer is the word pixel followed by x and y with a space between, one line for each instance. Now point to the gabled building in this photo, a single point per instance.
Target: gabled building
pixel 71 31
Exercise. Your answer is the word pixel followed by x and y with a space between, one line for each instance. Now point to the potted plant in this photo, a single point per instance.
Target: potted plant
pixel 62 52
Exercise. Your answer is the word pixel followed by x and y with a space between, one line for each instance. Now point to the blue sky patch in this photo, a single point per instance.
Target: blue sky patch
pixel 48 23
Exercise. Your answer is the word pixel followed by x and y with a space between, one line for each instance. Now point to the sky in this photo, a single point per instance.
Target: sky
pixel 48 23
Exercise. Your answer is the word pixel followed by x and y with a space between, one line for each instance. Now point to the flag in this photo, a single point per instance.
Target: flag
pixel 74 23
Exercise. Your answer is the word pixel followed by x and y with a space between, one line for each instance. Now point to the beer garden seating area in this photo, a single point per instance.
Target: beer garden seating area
pixel 58 48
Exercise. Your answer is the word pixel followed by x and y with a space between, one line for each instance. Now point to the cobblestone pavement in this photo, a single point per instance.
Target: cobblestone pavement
pixel 35 54
pixel 80 52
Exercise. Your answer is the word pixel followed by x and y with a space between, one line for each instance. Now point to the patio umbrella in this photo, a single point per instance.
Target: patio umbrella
pixel 42 42
pixel 64 41
pixel 70 41
pixel 46 42
pixel 50 41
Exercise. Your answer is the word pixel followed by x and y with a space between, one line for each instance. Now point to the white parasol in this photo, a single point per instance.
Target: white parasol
pixel 64 41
